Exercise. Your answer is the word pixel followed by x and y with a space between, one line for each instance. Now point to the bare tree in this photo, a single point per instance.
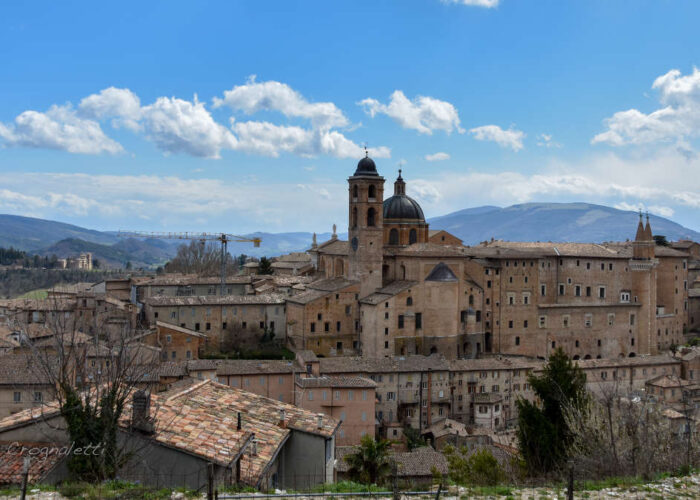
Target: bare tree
pixel 627 434
pixel 203 259
pixel 93 376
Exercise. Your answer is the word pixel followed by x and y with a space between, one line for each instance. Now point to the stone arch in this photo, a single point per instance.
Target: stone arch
pixel 576 357
pixel 433 350
pixel 412 237
pixel 631 355
pixel 372 191
pixel 587 356
pixel 371 216
pixel 394 236
pixel 467 349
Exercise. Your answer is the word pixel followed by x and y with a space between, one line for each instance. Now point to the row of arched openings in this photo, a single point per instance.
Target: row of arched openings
pixel 394 237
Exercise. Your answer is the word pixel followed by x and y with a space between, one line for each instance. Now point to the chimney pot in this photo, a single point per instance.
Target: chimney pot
pixel 320 421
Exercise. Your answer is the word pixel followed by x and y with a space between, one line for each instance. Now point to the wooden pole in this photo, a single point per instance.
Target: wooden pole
pixel 210 481
pixel 25 477
pixel 570 488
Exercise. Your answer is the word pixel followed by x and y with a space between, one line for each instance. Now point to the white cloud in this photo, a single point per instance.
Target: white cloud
pixel 546 141
pixel 174 202
pixel 179 126
pixel 424 114
pixel 270 140
pixel 639 206
pixel 121 104
pixel 678 119
pixel 510 138
pixel 437 157
pixel 489 4
pixel 275 96
pixel 58 128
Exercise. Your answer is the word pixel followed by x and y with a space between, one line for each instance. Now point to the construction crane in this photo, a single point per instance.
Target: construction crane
pixel 222 238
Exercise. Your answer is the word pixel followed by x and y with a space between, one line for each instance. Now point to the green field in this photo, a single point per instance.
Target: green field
pixel 35 294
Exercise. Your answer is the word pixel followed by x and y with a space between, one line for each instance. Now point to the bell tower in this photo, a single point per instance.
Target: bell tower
pixel 366 226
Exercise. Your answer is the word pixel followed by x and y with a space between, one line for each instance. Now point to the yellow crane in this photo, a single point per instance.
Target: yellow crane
pixel 222 238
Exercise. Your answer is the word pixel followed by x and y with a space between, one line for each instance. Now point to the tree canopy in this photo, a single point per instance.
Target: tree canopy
pixel 543 432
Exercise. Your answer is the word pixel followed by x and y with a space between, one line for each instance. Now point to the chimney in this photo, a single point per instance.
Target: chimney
pixel 238 426
pixel 254 447
pixel 141 412
pixel 320 421
pixel 283 421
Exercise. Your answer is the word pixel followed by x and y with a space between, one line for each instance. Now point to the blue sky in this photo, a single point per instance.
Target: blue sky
pixel 244 116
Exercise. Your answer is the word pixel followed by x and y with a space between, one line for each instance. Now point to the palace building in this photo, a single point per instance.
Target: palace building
pixel 398 288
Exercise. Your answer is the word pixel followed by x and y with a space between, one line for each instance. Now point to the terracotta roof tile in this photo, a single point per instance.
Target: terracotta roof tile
pixel 12 461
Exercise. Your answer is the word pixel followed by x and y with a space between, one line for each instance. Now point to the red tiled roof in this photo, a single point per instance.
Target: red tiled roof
pixel 12 461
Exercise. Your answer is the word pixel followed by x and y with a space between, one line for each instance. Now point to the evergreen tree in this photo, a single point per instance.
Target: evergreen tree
pixel 265 266
pixel 543 432
pixel 370 463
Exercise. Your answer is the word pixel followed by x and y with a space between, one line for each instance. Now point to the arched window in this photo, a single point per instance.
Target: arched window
pixel 354 191
pixel 632 355
pixel 370 217
pixel 409 301
pixel 339 267
pixel 354 216
pixel 394 237
pixel 433 350
pixel 412 237
pixel 372 193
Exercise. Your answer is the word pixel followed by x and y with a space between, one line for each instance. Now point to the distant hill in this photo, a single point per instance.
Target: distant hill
pixel 30 234
pixel 139 253
pixel 574 222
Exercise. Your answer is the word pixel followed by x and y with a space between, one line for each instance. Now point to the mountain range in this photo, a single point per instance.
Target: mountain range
pixel 573 222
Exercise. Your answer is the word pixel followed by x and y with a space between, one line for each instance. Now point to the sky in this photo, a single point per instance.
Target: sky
pixel 243 116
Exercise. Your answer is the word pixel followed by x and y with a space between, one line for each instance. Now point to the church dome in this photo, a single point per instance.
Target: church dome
pixel 366 166
pixel 401 206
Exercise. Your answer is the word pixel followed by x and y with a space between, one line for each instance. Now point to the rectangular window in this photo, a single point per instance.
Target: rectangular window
pixel 419 320
pixel 400 320
pixel 588 320
pixel 17 397
pixel 543 289
pixel 577 290
pixel 38 397
pixel 543 321
pixel 517 341
pixel 601 292
pixel 326 326
pixel 561 289
pixel 588 291
pixel 337 326
pixel 312 327
pixel 311 395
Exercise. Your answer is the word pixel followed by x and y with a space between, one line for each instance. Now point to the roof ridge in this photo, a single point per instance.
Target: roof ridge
pixel 188 390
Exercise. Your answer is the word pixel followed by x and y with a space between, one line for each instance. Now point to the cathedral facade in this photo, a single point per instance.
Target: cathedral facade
pixel 398 288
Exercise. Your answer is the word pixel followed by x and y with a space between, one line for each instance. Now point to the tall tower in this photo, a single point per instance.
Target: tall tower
pixel 365 231
pixel 644 276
